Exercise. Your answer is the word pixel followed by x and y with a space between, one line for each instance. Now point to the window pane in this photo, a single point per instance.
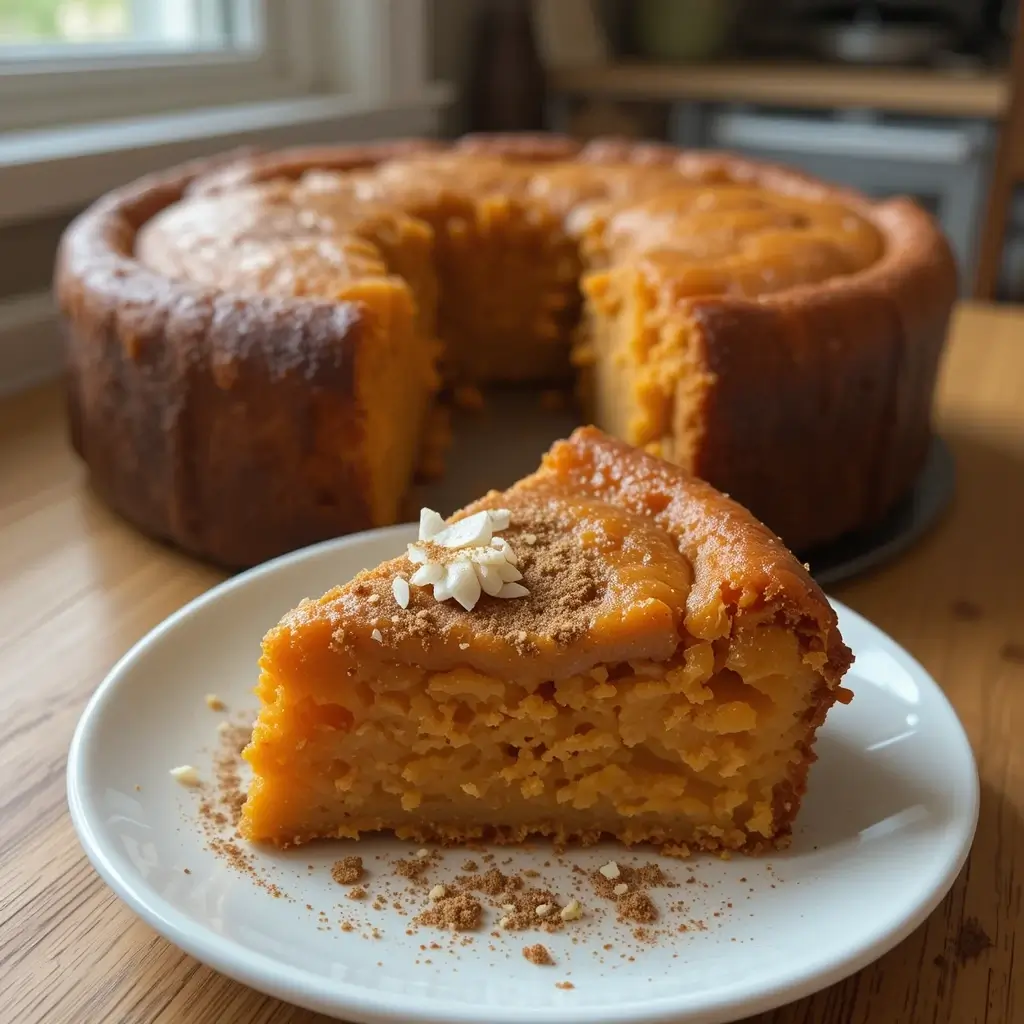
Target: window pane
pixel 31 27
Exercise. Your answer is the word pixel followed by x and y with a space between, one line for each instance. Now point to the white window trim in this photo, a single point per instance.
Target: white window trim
pixel 370 48
pixel 365 75
pixel 99 82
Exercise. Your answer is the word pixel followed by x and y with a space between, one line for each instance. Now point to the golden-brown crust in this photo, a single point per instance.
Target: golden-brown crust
pixel 737 561
pixel 839 376
pixel 818 414
pixel 196 410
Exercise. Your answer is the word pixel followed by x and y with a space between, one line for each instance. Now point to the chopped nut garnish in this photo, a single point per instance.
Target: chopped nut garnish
pixel 373 598
pixel 544 909
pixel 530 539
pixel 186 775
pixel 505 922
pixel 621 889
pixel 572 911
pixel 400 588
pixel 463 647
pixel 464 560
pixel 420 854
pixel 437 893
pixel 378 636
pixel 214 703
pixel 610 870
pixel 509 907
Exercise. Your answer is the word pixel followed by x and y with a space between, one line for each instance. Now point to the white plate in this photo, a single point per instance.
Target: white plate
pixel 885 828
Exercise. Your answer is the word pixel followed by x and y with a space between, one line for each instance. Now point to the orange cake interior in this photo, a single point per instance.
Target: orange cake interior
pixel 511 263
pixel 649 663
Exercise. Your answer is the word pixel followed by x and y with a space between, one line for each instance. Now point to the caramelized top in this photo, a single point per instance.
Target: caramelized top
pixel 277 238
pixel 701 237
pixel 625 557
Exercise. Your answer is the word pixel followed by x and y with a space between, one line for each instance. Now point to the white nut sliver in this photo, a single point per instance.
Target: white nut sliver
pixel 500 518
pixel 431 524
pixel 505 922
pixel 490 579
pixel 438 893
pixel 510 590
pixel 610 870
pixel 544 909
pixel 421 854
pixel 572 911
pixel 186 775
pixel 509 573
pixel 461 581
pixel 529 539
pixel 509 907
pixel 466 533
pixel 426 574
pixel 621 889
pixel 417 555
pixel 377 635
pixel 400 588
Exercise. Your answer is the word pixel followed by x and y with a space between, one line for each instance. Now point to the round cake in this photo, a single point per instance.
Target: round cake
pixel 256 343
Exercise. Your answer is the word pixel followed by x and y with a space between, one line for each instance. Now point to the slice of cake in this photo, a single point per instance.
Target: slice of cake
pixel 610 647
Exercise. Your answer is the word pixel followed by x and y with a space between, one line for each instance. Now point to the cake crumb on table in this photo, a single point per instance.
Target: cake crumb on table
pixel 214 703
pixel 538 954
pixel 348 870
pixel 357 893
pixel 564 985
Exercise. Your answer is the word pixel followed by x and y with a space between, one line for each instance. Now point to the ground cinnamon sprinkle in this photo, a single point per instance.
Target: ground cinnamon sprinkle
pixel 459 912
pixel 637 906
pixel 347 870
pixel 414 868
pixel 647 876
pixel 566 583
pixel 493 882
pixel 538 954
pixel 227 763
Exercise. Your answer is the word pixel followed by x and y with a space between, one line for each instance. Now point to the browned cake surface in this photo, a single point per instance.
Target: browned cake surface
pixel 778 337
pixel 662 680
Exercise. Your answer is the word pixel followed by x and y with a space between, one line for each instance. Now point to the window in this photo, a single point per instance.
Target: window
pixel 69 61
pixel 34 29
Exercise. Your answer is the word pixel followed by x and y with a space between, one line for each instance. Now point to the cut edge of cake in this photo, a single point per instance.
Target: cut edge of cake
pixel 661 678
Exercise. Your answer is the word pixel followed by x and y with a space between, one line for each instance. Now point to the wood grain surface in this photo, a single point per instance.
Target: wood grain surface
pixel 77 587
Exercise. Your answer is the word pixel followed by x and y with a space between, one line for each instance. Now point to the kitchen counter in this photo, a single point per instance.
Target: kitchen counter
pixel 78 587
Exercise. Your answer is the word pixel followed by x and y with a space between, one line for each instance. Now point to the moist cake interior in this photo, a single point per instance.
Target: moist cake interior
pixel 651 686
pixel 520 269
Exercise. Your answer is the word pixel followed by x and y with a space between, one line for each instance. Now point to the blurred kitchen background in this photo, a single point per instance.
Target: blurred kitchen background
pixel 912 97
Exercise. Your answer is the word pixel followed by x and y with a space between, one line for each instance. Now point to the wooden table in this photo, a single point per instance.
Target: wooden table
pixel 77 587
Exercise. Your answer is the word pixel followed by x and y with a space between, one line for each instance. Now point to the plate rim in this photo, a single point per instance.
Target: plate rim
pixel 262 973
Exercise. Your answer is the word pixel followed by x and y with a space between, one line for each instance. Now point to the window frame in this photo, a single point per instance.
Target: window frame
pixel 305 47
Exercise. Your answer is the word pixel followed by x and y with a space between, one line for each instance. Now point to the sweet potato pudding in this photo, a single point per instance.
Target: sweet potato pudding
pixel 610 647
pixel 277 326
